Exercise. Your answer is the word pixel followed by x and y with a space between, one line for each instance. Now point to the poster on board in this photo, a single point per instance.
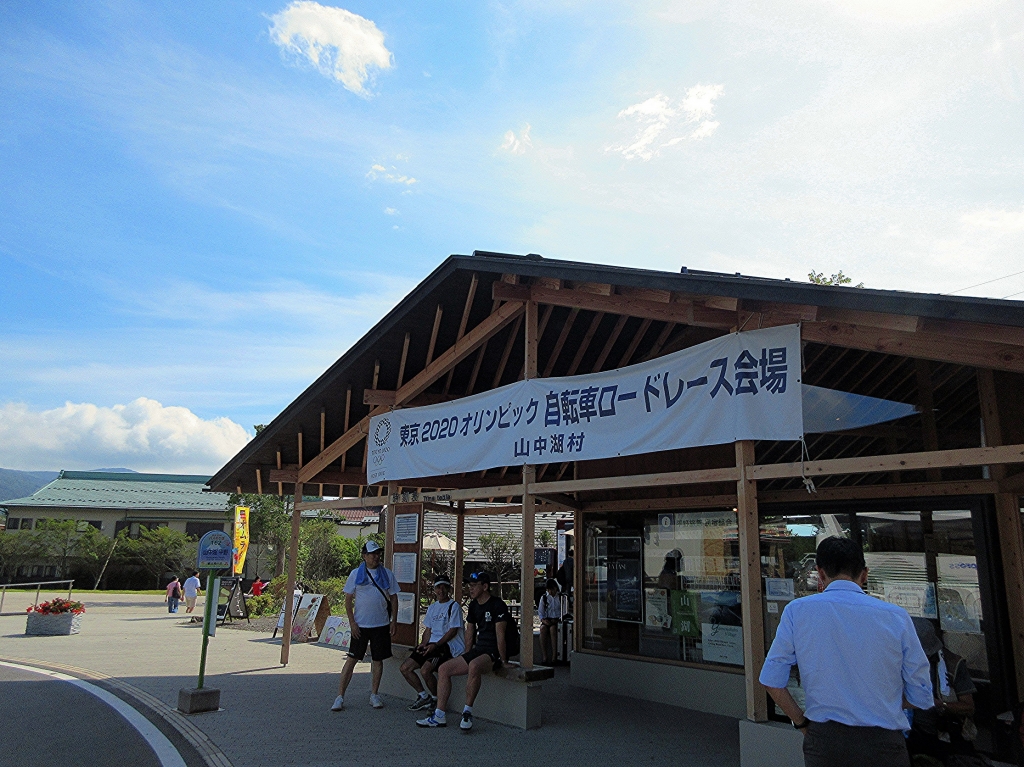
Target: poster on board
pixel 407 528
pixel 722 644
pixel 406 607
pixel 337 632
pixel 656 612
pixel 404 566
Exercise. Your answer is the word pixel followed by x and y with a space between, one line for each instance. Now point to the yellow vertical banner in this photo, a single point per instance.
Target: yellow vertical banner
pixel 241 538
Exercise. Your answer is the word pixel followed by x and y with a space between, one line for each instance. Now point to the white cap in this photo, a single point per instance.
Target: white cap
pixel 371 546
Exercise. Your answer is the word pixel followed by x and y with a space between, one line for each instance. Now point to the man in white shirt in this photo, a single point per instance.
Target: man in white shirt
pixel 372 607
pixel 859 660
pixel 443 632
pixel 193 588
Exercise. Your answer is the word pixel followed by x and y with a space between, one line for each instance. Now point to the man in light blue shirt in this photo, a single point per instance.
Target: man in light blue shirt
pixel 859 660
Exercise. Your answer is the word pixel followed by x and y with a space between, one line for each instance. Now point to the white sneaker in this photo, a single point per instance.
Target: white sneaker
pixel 432 721
pixel 376 702
pixel 339 703
pixel 467 721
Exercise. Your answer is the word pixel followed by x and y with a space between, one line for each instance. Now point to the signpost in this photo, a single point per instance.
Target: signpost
pixel 215 553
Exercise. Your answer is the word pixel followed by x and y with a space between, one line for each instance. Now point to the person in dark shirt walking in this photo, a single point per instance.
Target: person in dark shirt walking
pixel 485 650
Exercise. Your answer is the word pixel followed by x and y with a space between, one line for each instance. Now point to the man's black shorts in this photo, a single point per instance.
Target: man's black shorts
pixel 438 655
pixel 379 639
pixel 477 651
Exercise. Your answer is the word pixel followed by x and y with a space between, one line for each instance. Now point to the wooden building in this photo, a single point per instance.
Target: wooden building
pixel 721 536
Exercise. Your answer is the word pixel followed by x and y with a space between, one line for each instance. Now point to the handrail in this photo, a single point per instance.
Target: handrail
pixel 38 584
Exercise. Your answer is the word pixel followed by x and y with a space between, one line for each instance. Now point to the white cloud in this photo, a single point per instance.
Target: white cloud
pixel 657 115
pixel 520 144
pixel 996 221
pixel 391 175
pixel 339 43
pixel 142 435
pixel 391 211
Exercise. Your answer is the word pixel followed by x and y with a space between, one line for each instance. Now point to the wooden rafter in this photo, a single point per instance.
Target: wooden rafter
pixel 401 365
pixel 585 343
pixel 470 295
pixel 418 384
pixel 562 336
pixel 433 335
pixel 610 342
pixel 500 371
pixel 637 338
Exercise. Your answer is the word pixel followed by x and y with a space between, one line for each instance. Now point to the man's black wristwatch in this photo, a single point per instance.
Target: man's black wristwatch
pixel 802 725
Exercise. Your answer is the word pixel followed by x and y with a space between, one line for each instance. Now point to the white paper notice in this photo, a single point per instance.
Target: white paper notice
pixel 722 644
pixel 404 567
pixel 406 605
pixel 407 528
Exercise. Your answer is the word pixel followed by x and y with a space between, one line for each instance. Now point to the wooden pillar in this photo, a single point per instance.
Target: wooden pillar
pixel 389 524
pixel 1011 530
pixel 293 562
pixel 578 588
pixel 529 506
pixel 460 545
pixel 526 587
pixel 750 584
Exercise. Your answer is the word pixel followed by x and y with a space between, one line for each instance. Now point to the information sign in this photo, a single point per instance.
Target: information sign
pixel 214 551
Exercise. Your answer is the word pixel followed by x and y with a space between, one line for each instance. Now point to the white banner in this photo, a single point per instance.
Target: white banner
pixel 738 387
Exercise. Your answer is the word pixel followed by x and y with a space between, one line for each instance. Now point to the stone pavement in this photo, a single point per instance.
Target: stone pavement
pixel 275 715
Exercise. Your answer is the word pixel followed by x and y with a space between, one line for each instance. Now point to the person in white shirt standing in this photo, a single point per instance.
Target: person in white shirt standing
pixel 193 588
pixel 549 610
pixel 372 607
pixel 443 632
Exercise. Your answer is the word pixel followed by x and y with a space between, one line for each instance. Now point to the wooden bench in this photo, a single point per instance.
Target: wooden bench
pixel 509 696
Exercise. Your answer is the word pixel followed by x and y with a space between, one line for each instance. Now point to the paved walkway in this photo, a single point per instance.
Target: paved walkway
pixel 279 716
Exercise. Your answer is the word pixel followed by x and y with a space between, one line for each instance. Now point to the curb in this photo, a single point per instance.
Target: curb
pixel 207 749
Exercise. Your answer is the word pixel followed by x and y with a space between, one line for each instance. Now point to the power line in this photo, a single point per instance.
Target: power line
pixel 986 282
pixel 1014 294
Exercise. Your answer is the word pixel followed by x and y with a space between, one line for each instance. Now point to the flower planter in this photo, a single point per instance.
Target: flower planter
pixel 56 624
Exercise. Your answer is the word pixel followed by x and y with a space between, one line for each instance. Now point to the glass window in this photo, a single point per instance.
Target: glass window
pixel 664 585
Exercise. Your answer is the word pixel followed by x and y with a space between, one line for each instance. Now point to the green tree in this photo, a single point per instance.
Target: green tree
pixel 819 278
pixel 96 552
pixel 162 551
pixel 503 553
pixel 545 539
pixel 58 542
pixel 17 548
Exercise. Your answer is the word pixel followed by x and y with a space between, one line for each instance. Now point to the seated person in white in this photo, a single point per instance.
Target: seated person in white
pixel 443 632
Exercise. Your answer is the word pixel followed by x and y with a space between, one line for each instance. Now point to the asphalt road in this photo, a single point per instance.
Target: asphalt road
pixel 46 721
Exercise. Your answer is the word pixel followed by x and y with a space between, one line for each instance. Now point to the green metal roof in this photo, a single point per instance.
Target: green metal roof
pixel 115 490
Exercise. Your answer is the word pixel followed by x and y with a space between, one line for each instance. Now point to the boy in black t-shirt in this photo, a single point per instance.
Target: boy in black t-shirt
pixel 485 649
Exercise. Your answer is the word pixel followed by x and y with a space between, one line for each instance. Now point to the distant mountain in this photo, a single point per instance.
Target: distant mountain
pixel 18 484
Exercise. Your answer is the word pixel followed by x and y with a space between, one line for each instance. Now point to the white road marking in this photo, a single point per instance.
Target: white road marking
pixel 166 753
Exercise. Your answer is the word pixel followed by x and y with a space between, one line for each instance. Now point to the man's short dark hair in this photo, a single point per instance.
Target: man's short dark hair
pixel 840 556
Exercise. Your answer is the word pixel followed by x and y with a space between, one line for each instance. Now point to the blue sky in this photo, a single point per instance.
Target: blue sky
pixel 206 204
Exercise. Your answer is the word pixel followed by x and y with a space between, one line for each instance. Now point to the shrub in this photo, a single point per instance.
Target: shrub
pixel 264 604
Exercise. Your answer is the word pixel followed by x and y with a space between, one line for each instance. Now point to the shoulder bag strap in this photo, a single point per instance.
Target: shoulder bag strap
pixel 387 601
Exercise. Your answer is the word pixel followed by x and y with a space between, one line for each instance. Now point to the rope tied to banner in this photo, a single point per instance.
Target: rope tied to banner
pixel 804 457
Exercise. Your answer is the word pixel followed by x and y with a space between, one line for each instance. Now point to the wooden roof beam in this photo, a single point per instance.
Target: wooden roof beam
pixel 419 383
pixel 976 353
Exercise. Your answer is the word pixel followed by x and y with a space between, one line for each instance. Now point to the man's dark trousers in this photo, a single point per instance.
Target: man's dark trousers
pixel 831 744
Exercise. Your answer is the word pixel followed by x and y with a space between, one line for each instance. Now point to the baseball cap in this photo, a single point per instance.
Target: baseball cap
pixel 443 582
pixel 371 546
pixel 480 578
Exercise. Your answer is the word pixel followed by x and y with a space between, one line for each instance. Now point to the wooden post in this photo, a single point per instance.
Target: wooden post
pixel 526 587
pixel 750 584
pixel 389 525
pixel 289 589
pixel 578 581
pixel 531 340
pixel 460 543
pixel 1011 534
